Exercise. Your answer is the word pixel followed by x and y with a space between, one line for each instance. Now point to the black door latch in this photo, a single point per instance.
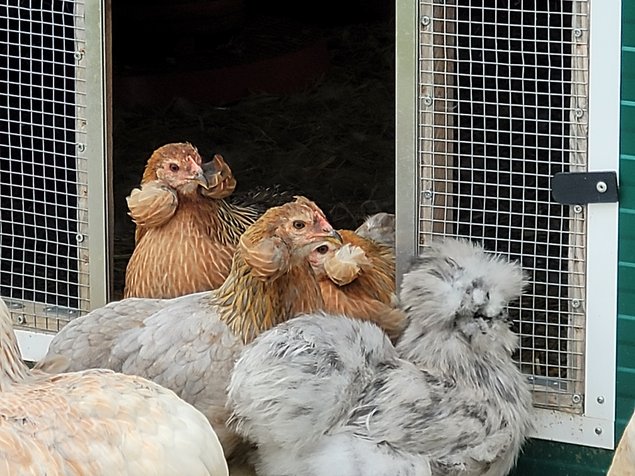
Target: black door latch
pixel 580 188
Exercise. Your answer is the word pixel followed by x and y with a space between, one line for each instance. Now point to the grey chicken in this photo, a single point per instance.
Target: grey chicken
pixel 189 344
pixel 380 228
pixel 323 395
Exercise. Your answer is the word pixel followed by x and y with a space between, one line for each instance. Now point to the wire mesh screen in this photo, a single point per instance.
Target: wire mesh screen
pixel 43 179
pixel 502 108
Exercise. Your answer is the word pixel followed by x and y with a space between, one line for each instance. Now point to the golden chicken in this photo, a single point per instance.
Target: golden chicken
pixel 186 233
pixel 364 288
pixel 96 422
pixel 189 344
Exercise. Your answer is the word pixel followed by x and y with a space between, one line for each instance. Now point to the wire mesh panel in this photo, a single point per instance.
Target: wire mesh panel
pixel 43 184
pixel 503 89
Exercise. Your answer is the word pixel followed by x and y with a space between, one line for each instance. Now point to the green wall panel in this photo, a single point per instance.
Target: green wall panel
pixel 546 458
pixel 625 378
pixel 628 23
pixel 628 73
pixel 626 291
pixel 626 340
pixel 627 128
pixel 627 188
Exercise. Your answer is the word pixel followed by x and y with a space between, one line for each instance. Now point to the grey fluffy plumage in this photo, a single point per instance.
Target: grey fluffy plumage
pixel 189 344
pixel 380 228
pixel 324 395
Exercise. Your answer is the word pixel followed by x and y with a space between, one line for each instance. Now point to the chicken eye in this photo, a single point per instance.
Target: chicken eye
pixel 174 167
pixel 322 249
pixel 298 225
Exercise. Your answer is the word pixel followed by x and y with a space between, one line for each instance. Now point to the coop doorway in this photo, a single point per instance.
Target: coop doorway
pixel 494 99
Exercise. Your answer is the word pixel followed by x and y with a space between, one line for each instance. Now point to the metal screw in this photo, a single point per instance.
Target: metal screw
pixel 600 399
pixel 575 303
pixel 81 147
pixel 598 430
pixel 579 113
pixel 577 208
pixel 21 320
pixel 427 100
pixel 601 187
pixel 427 194
pixel 78 55
pixel 79 237
pixel 577 32
pixel 425 20
pixel 575 398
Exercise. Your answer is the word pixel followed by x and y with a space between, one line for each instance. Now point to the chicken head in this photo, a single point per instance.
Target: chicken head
pixel 178 166
pixel 459 288
pixel 285 235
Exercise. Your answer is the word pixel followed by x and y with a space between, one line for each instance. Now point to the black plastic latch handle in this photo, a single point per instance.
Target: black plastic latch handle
pixel 580 188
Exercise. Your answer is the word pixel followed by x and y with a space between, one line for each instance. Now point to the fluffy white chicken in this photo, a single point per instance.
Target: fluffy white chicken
pixel 189 344
pixel 96 422
pixel 323 395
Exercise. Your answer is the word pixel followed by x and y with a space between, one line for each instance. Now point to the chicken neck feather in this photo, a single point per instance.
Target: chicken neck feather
pixel 250 306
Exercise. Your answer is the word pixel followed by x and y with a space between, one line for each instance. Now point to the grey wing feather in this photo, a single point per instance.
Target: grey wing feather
pixel 184 347
pixel 295 381
pixel 86 342
pixel 409 409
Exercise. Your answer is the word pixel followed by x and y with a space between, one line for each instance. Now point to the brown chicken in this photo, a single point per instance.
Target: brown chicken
pixel 189 344
pixel 358 280
pixel 186 233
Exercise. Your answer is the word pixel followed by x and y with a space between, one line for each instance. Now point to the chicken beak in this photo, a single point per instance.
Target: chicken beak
pixel 199 177
pixel 326 230
pixel 201 180
pixel 332 236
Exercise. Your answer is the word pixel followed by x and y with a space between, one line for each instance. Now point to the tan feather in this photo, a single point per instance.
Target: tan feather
pixel 623 463
pixel 346 264
pixel 151 206
pixel 268 258
pixel 360 282
pixel 96 422
pixel 220 179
